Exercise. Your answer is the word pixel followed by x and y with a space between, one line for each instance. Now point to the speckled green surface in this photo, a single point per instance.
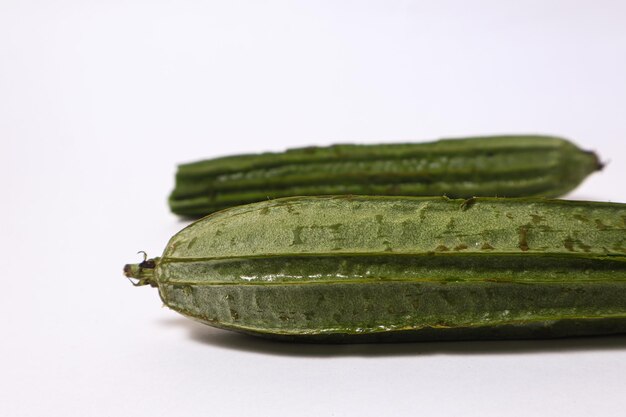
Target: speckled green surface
pixel 505 166
pixel 362 268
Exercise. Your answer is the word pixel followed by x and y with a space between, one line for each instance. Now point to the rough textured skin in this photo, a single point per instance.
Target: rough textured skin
pixel 504 166
pixel 363 269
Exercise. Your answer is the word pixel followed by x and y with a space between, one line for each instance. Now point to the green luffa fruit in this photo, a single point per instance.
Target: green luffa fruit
pixel 503 166
pixel 366 269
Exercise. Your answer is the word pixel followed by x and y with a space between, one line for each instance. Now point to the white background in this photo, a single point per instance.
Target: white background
pixel 99 100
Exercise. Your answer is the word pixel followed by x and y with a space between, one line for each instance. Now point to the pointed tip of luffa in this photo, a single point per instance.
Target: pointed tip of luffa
pixel 141 273
pixel 597 162
pixel 131 270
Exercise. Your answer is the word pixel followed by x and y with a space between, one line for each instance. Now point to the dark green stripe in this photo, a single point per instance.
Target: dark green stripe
pixel 348 152
pixel 281 270
pixel 548 329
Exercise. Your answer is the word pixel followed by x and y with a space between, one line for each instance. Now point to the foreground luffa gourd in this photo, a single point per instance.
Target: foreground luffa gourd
pixel 357 269
pixel 502 166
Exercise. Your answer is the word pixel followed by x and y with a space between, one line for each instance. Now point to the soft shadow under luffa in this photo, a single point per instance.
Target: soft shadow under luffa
pixel 224 339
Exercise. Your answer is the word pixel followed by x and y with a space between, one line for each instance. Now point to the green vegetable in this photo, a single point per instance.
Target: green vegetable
pixel 361 269
pixel 506 166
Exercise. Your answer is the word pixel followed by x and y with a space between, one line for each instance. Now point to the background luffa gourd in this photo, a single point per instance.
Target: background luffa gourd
pixel 502 166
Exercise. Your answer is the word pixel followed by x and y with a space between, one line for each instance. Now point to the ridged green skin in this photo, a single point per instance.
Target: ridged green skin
pixel 503 166
pixel 369 269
